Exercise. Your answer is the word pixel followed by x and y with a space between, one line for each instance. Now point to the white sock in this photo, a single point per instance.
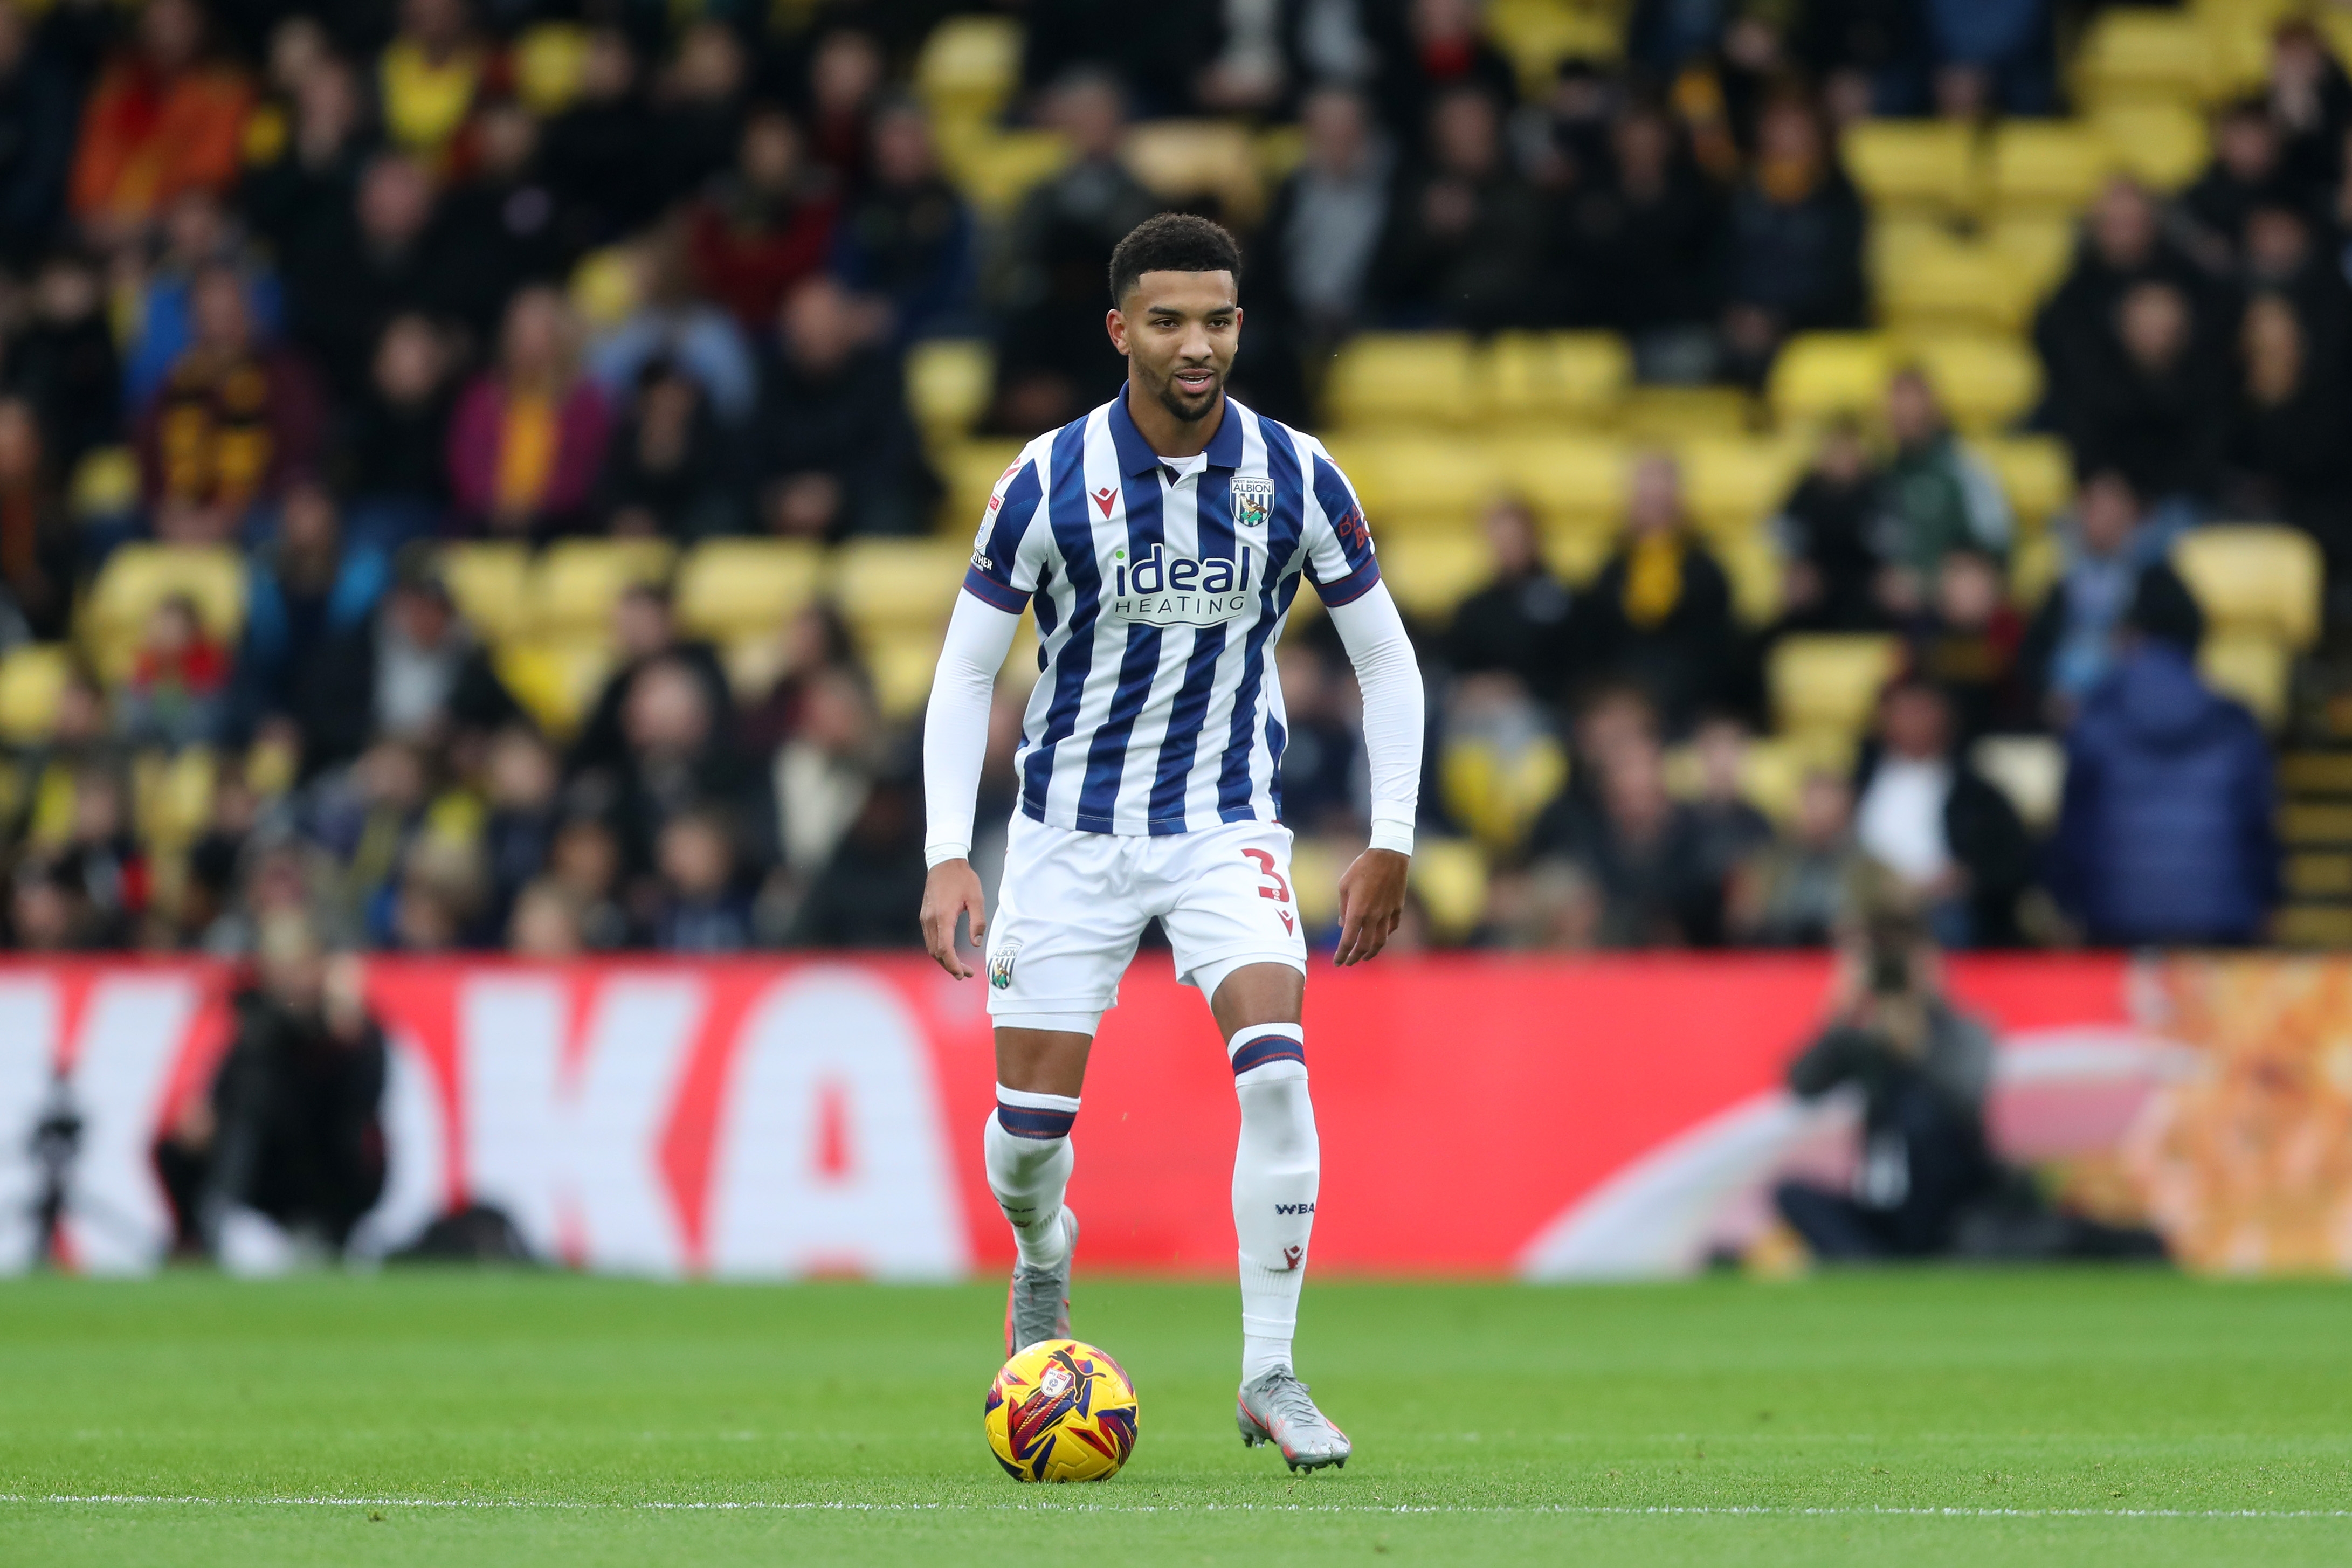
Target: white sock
pixel 1027 1150
pixel 1276 1168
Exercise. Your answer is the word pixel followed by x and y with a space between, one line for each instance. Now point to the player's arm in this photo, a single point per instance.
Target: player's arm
pixel 1372 891
pixel 955 744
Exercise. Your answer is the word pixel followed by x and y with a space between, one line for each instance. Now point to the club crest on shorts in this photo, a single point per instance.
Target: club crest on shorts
pixel 1253 502
pixel 999 962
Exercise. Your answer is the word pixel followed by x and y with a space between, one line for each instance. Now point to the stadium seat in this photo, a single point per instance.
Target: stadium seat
pixel 555 678
pixel 2031 770
pixel 1315 868
pixel 605 287
pixel 2132 55
pixel 2047 166
pixel 1820 375
pixel 731 589
pixel 994 169
pixel 2041 245
pixel 1449 877
pixel 1985 382
pixel 548 58
pixel 1403 377
pixel 968 470
pixel 1183 159
pixel 32 677
pixel 969 68
pixel 138 577
pixel 1420 483
pixel 2036 474
pixel 1578 549
pixel 1430 575
pixel 1948 285
pixel 576 582
pixel 1828 684
pixel 899 584
pixel 2035 563
pixel 171 795
pixel 903 661
pixel 1556 375
pixel 1758 572
pixel 2256 667
pixel 1497 791
pixel 1568 480
pixel 2254 576
pixel 1731 486
pixel 948 384
pixel 1670 415
pixel 2164 144
pixel 105 484
pixel 1539 34
pixel 1912 166
pixel 489 583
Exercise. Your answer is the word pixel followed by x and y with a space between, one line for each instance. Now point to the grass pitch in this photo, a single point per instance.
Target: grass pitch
pixel 1921 1417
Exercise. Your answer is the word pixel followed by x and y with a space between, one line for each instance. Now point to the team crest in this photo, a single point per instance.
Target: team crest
pixel 1253 502
pixel 999 962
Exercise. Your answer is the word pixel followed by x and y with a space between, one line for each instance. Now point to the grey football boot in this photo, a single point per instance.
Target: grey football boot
pixel 1272 1407
pixel 1037 1307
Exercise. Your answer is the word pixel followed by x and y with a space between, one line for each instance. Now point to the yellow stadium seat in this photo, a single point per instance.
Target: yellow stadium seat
pixel 576 582
pixel 105 483
pixel 1673 414
pixel 2035 563
pixel 970 470
pixel 1403 377
pixel 969 66
pixel 138 577
pixel 1556 375
pixel 2165 144
pixel 1578 549
pixel 1730 486
pixel 949 380
pixel 996 168
pixel 2047 166
pixel 731 589
pixel 1912 165
pixel 1984 382
pixel 1772 770
pixel 32 678
pixel 903 663
pixel 1419 484
pixel 2130 54
pixel 1429 576
pixel 1823 374
pixel 1568 479
pixel 2256 667
pixel 1756 571
pixel 489 583
pixel 899 583
pixel 2035 472
pixel 1314 867
pixel 1955 286
pixel 1828 684
pixel 2041 245
pixel 1449 876
pixel 555 678
pixel 1539 35
pixel 548 61
pixel 2031 770
pixel 1179 159
pixel 171 795
pixel 1495 790
pixel 2254 577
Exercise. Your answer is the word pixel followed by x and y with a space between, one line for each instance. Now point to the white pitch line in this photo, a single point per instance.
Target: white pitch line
pixel 1728 1511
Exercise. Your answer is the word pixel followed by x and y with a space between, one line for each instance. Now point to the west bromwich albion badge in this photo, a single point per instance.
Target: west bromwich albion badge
pixel 1253 502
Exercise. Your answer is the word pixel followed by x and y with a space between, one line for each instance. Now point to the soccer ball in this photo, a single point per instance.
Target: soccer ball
pixel 1061 1411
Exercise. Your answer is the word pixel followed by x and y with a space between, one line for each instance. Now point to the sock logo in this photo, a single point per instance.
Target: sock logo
pixel 1292 1257
pixel 1294 1208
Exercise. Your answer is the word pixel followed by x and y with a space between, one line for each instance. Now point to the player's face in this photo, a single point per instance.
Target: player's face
pixel 1179 332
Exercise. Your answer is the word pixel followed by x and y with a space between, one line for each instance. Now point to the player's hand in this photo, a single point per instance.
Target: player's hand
pixel 952 889
pixel 1371 902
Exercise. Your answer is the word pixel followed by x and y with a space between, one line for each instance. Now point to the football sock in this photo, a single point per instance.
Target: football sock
pixel 1027 1150
pixel 1276 1170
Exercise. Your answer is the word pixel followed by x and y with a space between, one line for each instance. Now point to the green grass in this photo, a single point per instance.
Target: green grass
pixel 414 1418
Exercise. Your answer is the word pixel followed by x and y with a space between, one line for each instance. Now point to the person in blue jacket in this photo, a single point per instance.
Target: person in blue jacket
pixel 2165 833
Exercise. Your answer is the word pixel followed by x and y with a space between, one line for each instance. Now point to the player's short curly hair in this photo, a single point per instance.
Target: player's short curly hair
pixel 1173 241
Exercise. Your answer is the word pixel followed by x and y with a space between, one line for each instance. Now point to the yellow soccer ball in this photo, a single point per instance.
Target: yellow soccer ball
pixel 1061 1411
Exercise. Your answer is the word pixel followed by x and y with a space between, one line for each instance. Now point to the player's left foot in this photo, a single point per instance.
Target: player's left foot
pixel 1274 1408
pixel 1037 1307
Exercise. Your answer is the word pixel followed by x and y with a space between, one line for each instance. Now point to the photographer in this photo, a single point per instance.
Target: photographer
pixel 291 1127
pixel 1922 1067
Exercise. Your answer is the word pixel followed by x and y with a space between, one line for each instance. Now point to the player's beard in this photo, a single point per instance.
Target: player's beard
pixel 1177 403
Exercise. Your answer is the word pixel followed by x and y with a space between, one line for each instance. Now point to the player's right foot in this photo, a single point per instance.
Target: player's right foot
pixel 1274 1408
pixel 1037 1307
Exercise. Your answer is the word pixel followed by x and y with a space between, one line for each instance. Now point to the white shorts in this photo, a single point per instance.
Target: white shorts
pixel 1071 905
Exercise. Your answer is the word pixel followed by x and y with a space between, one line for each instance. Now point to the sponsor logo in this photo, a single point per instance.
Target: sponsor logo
pixel 1104 497
pixel 1161 590
pixel 981 561
pixel 1292 1257
pixel 999 962
pixel 1294 1208
pixel 1352 529
pixel 1253 502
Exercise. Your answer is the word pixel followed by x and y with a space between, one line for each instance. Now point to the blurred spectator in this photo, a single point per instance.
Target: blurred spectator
pixel 698 100
pixel 236 422
pixel 62 360
pixel 520 775
pixel 164 117
pixel 703 910
pixel 1728 828
pixel 2287 455
pixel 415 671
pixel 645 631
pixel 1938 496
pixel 1827 531
pixel 2310 102
pixel 1868 54
pixel 1796 890
pixel 1641 853
pixel 2123 245
pixel 2245 173
pixel 1462 244
pixel 545 923
pixel 2166 835
pixel 300 197
pixel 528 437
pixel 1970 642
pixel 93 882
pixel 1795 239
pixel 672 322
pixel 427 76
pixel 2070 645
pixel 599 153
pixel 504 214
pixel 1321 793
pixel 909 239
pixel 198 234
pixel 1659 615
pixel 394 462
pixel 1312 268
pixel 2282 258
pixel 1519 622
pixel 844 83
pixel 677 762
pixel 435 899
pixel 1951 840
pixel 307 590
pixel 1160 55
pixel 1052 358
pixel 1723 68
pixel 290 1127
pixel 839 455
pixel 2157 415
pixel 585 865
pixel 1643 250
pixel 388 255
pixel 37 538
pixel 766 225
pixel 862 897
pixel 1443 53
pixel 667 472
pixel 178 688
pixel 1992 54
pixel 824 770
pixel 37 138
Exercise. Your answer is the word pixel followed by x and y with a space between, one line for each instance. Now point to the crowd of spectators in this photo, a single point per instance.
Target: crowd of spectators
pixel 321 270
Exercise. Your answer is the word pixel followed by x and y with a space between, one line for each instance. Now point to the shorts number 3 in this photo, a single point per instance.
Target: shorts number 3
pixel 1279 890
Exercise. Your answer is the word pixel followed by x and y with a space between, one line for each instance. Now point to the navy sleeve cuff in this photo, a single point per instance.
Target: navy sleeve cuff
pixel 990 591
pixel 1351 588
